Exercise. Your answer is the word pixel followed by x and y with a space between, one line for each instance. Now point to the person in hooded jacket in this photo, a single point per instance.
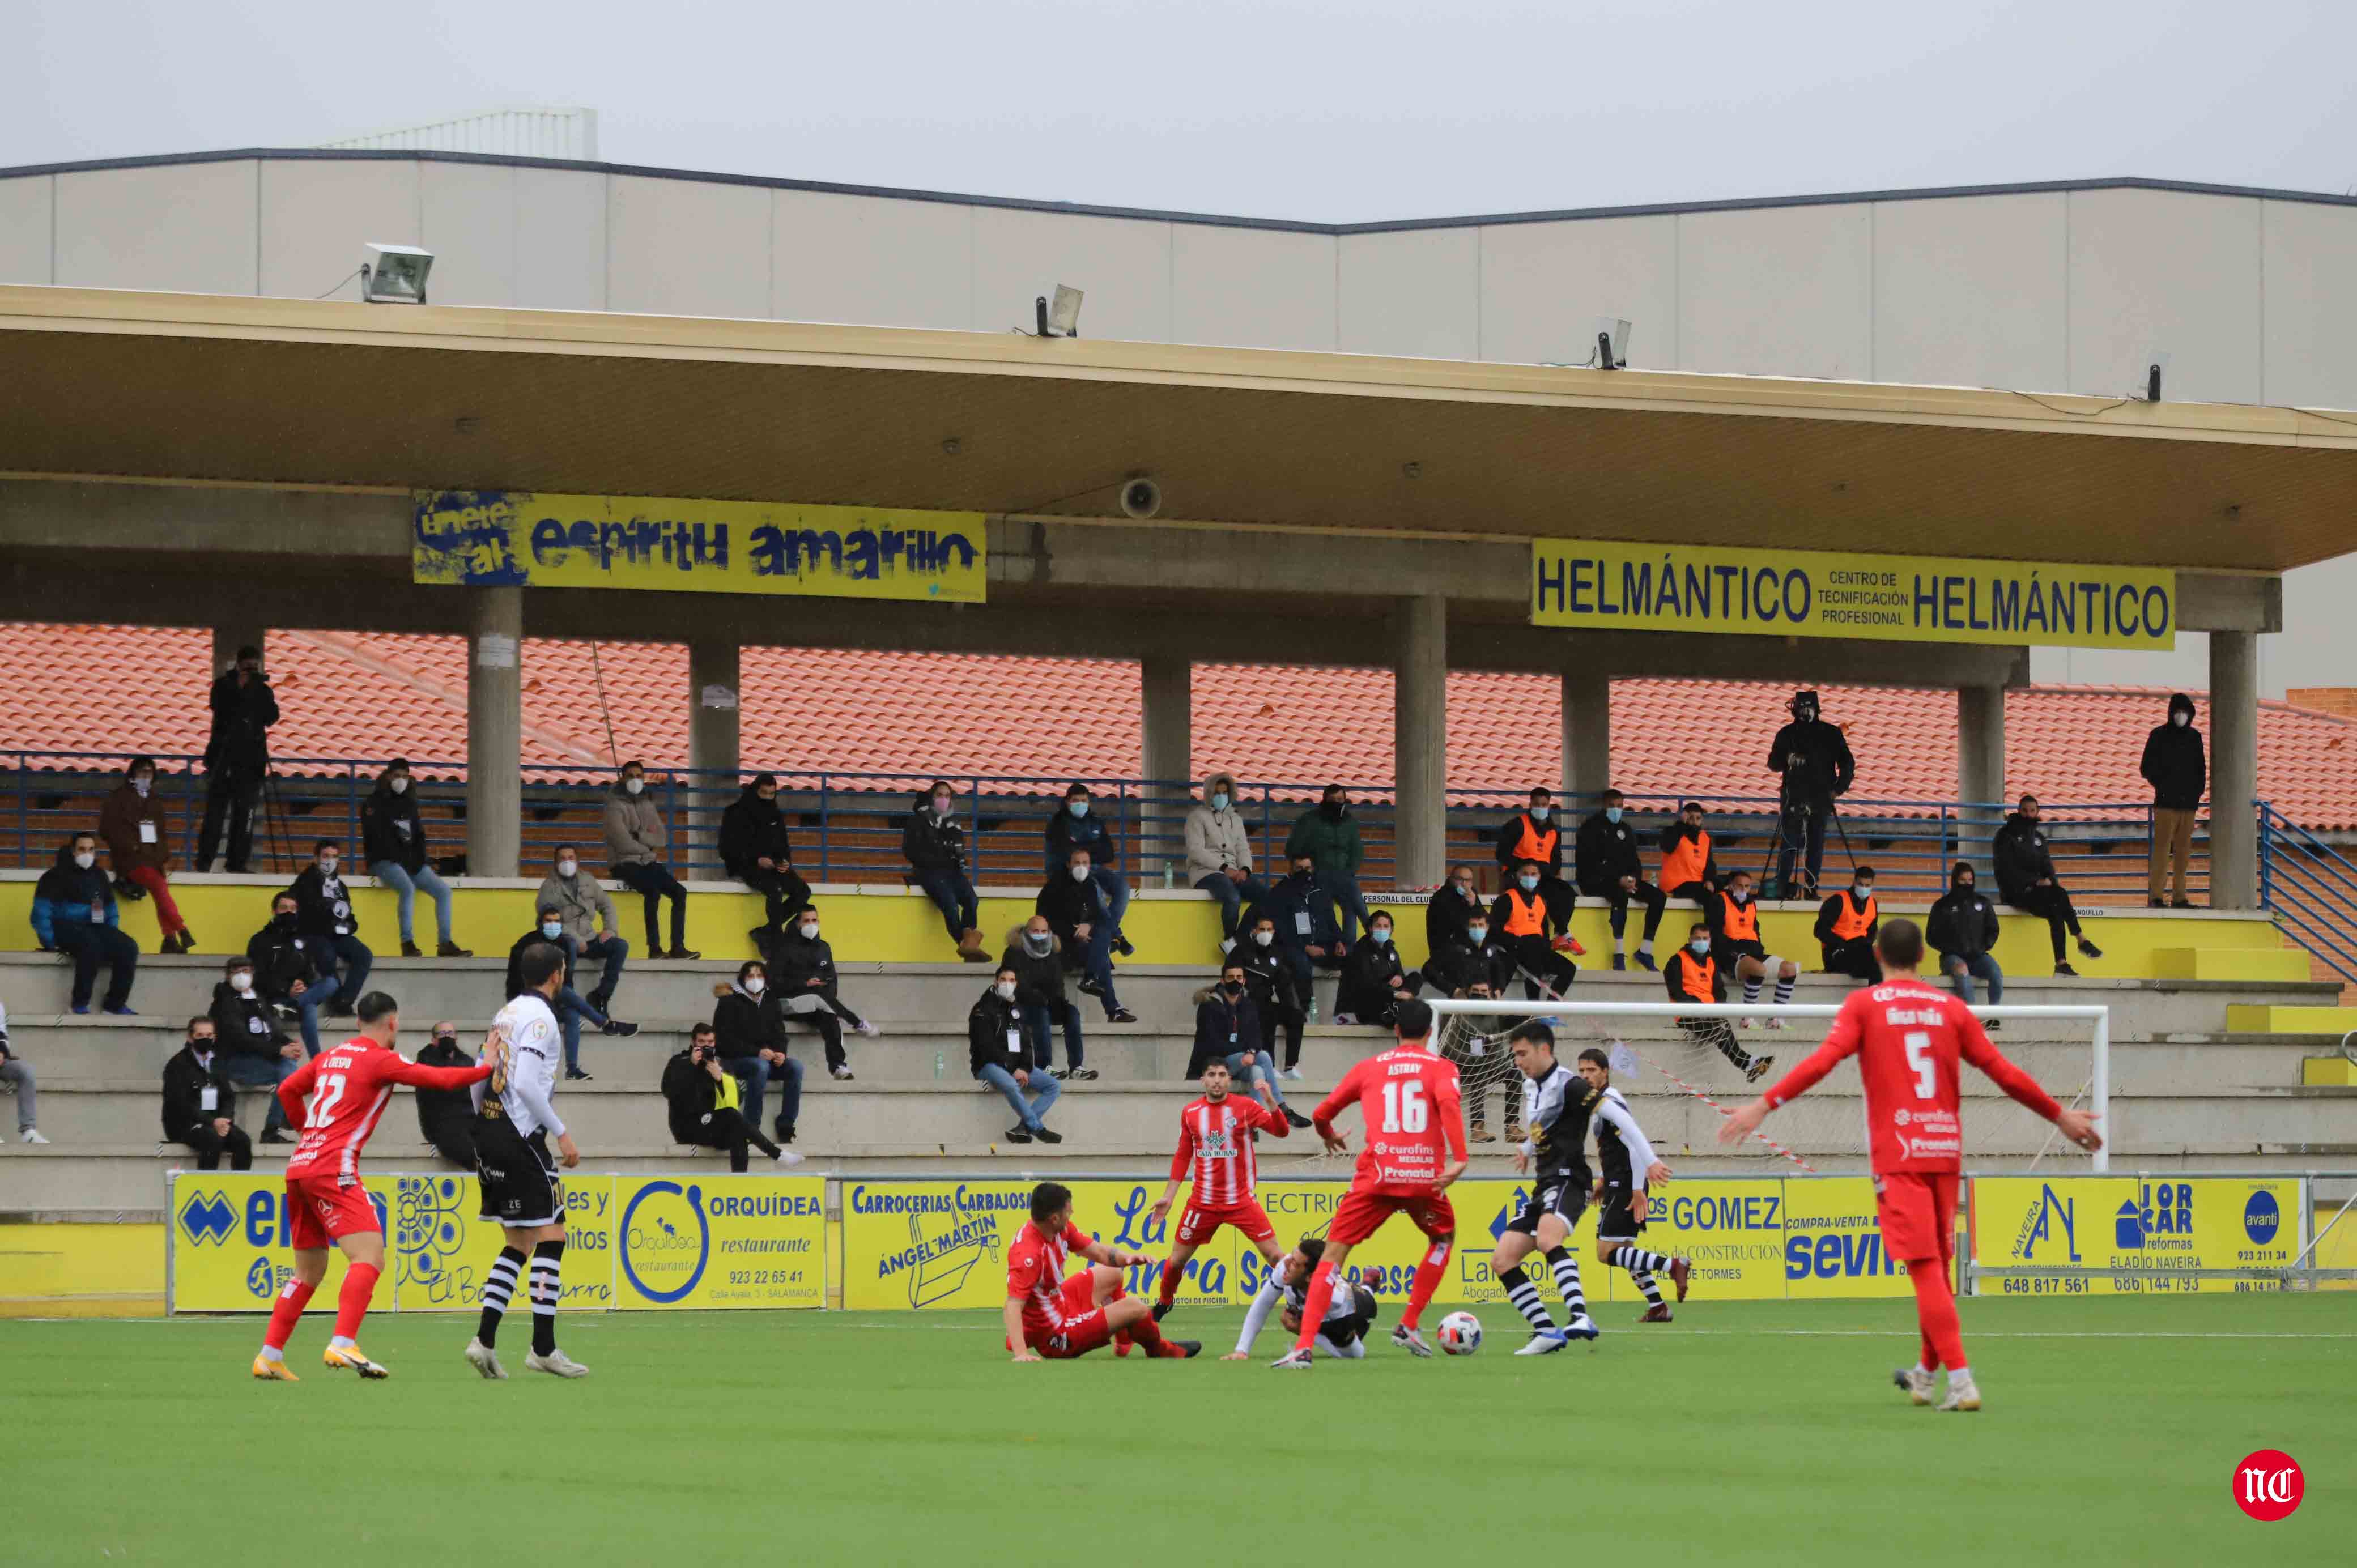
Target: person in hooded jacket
pixel 132 823
pixel 1039 966
pixel 255 1051
pixel 934 846
pixel 2025 879
pixel 749 1032
pixel 756 850
pixel 1219 853
pixel 237 759
pixel 635 842
pixel 703 1104
pixel 1373 981
pixel 1077 827
pixel 201 1102
pixel 393 841
pixel 807 988
pixel 2179 772
pixel 1962 929
pixel 1813 760
pixel 1277 995
pixel 74 914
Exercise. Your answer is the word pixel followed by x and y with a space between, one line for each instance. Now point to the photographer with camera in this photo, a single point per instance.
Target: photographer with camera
pixel 446 1117
pixel 237 759
pixel 705 1106
pixel 1814 764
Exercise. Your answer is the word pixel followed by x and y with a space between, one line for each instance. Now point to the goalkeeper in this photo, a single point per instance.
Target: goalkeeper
pixel 1692 975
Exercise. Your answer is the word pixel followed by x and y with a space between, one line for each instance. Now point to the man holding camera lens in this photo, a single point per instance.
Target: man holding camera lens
pixel 237 759
pixel 1813 761
pixel 707 1108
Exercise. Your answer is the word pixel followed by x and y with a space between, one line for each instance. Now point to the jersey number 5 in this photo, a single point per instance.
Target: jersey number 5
pixel 1404 1110
pixel 323 1100
pixel 1919 1058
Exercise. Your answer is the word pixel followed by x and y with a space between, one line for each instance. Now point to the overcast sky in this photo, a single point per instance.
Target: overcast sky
pixel 1333 109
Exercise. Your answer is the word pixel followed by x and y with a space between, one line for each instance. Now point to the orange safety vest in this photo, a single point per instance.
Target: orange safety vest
pixel 1701 977
pixel 1853 922
pixel 1686 863
pixel 1739 922
pixel 1527 914
pixel 1536 846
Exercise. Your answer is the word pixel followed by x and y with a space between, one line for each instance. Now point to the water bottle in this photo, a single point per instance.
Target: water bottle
pixel 938 1063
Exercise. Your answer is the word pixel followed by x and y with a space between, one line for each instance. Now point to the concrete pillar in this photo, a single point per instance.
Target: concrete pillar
pixel 1587 738
pixel 494 730
pixel 1166 684
pixel 712 754
pixel 1980 771
pixel 1420 743
pixel 2234 770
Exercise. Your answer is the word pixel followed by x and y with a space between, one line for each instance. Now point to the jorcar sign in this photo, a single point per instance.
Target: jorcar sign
pixel 1807 593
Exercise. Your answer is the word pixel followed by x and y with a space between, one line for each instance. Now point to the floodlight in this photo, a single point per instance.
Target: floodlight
pixel 1611 343
pixel 1062 319
pixel 395 274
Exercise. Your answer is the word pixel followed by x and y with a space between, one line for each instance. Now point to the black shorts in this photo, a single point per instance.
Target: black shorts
pixel 1616 1220
pixel 1551 1195
pixel 518 1175
pixel 1724 953
pixel 1348 1331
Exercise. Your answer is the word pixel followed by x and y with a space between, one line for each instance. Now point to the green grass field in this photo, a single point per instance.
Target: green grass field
pixel 1755 1432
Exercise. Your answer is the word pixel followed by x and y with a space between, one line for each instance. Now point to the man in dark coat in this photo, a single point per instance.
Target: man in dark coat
pixel 1813 760
pixel 2025 879
pixel 237 759
pixel 2179 772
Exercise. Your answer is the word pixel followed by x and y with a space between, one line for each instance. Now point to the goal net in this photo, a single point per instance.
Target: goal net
pixel 1683 1068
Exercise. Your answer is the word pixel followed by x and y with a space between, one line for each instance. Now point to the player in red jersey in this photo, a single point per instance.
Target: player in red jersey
pixel 1416 1148
pixel 1907 1038
pixel 1051 1318
pixel 1215 1136
pixel 349 1089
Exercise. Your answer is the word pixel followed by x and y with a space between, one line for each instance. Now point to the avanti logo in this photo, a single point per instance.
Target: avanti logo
pixel 2262 1218
pixel 665 1241
pixel 208 1218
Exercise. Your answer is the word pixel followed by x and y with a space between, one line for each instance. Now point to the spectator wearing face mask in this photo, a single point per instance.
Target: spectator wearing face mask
pixel 571 1007
pixel 237 759
pixel 1812 760
pixel 74 915
pixel 1219 853
pixel 635 843
pixel 748 1029
pixel 1528 931
pixel 132 823
pixel 1693 975
pixel 756 850
pixel 1228 1028
pixel 286 969
pixel 1688 867
pixel 1452 906
pixel 2025 879
pixel 1847 923
pixel 1039 968
pixel 393 837
pixel 591 930
pixel 1732 917
pixel 257 1053
pixel 934 846
pixel 808 990
pixel 323 904
pixel 201 1102
pixel 1469 962
pixel 1373 982
pixel 1075 911
pixel 1307 936
pixel 1962 929
pixel 1611 869
pixel 704 1105
pixel 446 1117
pixel 2179 771
pixel 1277 993
pixel 1535 835
pixel 1328 834
pixel 1077 826
pixel 1000 1056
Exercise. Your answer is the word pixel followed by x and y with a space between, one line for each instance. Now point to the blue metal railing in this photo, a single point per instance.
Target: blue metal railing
pixel 2310 889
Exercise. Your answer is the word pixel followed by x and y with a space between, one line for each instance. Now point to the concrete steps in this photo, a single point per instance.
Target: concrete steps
pixel 2263 1019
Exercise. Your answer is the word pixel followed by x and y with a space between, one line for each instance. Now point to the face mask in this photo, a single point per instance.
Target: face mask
pixel 1863 889
pixel 567 867
pixel 634 785
pixel 1611 813
pixel 142 786
pixel 809 931
pixel 767 799
pixel 1232 987
pixel 1302 872
pixel 285 922
pixel 85 860
pixel 1220 801
pixel 326 865
pixel 241 983
pixel 552 929
pixel 1005 989
pixel 940 805
pixel 1036 941
pixel 1479 934
pixel 1964 886
pixel 755 985
pixel 1079 874
pixel 2180 720
pixel 1381 935
pixel 1077 808
pixel 1541 813
pixel 401 786
pixel 1264 937
pixel 1740 894
pixel 1700 947
pixel 446 1039
pixel 1528 884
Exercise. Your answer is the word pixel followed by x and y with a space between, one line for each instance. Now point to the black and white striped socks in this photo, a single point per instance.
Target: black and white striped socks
pixel 1784 988
pixel 497 1292
pixel 1525 1297
pixel 547 1267
pixel 1567 1279
pixel 1641 1266
pixel 1752 991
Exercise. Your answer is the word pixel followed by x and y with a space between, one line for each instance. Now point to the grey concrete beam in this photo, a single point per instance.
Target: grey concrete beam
pixel 2222 601
pixel 205 520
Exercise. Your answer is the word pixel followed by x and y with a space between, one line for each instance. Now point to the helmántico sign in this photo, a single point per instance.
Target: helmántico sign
pixel 1807 593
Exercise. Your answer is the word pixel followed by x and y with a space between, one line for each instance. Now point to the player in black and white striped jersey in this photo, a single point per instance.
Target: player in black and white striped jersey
pixel 1349 1316
pixel 1620 1195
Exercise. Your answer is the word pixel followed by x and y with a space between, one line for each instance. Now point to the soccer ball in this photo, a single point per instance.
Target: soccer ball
pixel 1460 1334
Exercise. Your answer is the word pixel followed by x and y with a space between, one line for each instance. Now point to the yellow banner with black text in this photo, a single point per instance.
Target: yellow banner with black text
pixel 1618 587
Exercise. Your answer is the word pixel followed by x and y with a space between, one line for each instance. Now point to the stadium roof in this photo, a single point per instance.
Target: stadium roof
pixel 106 689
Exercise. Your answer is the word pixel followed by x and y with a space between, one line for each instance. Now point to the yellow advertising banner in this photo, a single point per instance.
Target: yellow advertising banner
pixel 1832 1241
pixel 443 1250
pixel 227 1241
pixel 1616 586
pixel 719 1241
pixel 2143 1236
pixel 540 540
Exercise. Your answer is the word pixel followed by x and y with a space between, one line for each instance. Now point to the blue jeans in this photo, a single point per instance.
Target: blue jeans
pixel 1961 971
pixel 1038 1019
pixel 1096 962
pixel 572 1007
pixel 1350 906
pixel 1042 1090
pixel 317 994
pixel 89 946
pixel 654 883
pixel 408 885
pixel 1112 891
pixel 357 961
pixel 755 1074
pixel 261 1072
pixel 1262 1072
pixel 612 949
pixel 952 895
pixel 1233 897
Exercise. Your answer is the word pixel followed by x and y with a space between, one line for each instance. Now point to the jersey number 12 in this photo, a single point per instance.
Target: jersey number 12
pixel 1404 1110
pixel 323 1102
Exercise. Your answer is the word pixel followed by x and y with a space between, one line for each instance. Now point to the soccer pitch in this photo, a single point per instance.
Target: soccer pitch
pixel 1751 1433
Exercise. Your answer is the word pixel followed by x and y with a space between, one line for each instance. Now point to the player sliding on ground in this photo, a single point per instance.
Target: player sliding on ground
pixel 1343 1333
pixel 347 1087
pixel 1908 1038
pixel 1050 1317
pixel 1621 1194
pixel 1415 1149
pixel 1215 1135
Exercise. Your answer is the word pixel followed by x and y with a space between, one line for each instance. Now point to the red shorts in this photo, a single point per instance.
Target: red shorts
pixel 1084 1327
pixel 1918 1212
pixel 319 1211
pixel 1198 1226
pixel 1363 1214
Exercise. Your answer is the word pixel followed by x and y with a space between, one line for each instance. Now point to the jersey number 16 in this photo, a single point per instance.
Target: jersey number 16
pixel 1404 1110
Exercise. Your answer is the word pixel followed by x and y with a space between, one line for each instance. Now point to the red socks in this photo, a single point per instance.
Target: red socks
pixel 1936 1309
pixel 292 1297
pixel 352 1302
pixel 1313 1311
pixel 1428 1275
pixel 1171 1274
